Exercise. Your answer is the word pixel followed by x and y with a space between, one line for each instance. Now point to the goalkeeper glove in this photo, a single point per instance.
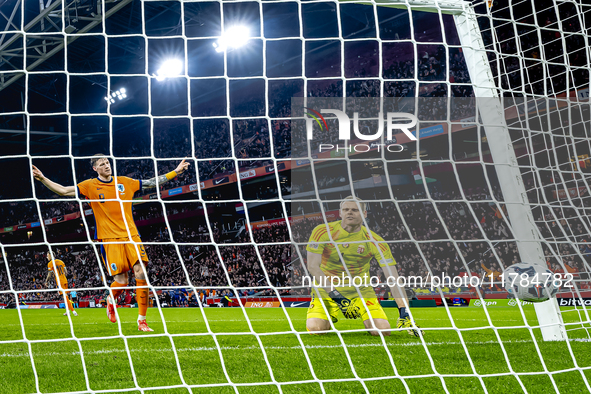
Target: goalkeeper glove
pixel 346 306
pixel 405 322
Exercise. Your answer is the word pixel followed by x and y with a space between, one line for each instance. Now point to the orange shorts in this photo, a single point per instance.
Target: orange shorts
pixel 64 285
pixel 121 257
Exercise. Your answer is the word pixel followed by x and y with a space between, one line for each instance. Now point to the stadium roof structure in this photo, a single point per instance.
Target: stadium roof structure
pixel 74 18
pixel 45 52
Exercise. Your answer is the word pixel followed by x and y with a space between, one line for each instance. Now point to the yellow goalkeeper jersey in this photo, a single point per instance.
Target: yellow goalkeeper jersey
pixel 357 249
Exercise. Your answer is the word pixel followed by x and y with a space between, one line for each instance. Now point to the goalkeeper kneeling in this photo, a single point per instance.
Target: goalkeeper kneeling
pixel 324 264
pixel 346 248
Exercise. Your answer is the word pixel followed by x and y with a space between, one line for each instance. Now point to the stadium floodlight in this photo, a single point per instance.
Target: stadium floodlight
pixel 170 68
pixel 234 37
pixel 120 94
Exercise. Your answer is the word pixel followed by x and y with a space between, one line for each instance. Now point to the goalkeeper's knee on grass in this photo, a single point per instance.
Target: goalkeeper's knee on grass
pixel 316 326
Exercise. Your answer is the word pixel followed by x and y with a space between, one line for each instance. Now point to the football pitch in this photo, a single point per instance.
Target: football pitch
pixel 223 349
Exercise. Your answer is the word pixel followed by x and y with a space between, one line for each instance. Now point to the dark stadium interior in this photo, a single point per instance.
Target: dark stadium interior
pixel 454 224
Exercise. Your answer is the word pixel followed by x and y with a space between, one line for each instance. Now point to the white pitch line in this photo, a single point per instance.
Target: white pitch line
pixel 205 348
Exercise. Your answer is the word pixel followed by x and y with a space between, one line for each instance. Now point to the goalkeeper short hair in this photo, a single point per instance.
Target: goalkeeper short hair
pixel 353 198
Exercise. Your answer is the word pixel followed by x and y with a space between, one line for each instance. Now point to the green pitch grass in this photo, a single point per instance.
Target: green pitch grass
pixel 224 349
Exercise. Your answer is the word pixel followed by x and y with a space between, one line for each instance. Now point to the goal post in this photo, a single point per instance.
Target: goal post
pixel 492 115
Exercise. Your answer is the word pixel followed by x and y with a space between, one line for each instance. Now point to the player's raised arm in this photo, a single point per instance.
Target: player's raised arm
pixel 51 185
pixel 153 182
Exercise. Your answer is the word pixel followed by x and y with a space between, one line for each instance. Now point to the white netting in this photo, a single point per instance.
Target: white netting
pixel 443 205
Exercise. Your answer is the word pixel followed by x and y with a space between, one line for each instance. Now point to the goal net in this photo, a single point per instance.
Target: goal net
pixel 462 128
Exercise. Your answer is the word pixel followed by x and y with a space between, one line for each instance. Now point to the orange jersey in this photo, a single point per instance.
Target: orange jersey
pixel 108 214
pixel 60 267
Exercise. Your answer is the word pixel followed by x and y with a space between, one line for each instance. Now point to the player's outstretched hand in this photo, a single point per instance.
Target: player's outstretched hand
pixel 350 311
pixel 37 174
pixel 182 167
pixel 411 327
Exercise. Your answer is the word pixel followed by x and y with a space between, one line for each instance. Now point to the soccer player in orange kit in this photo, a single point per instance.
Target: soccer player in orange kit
pixel 115 226
pixel 57 269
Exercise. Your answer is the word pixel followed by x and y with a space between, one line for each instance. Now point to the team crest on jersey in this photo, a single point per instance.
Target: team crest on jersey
pixel 113 267
pixel 314 246
pixel 361 249
pixel 120 187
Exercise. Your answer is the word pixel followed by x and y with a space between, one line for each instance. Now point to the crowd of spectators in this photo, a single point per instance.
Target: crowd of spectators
pixel 212 138
pixel 241 265
pixel 433 75
pixel 449 237
pixel 28 269
pixel 529 54
pixel 215 168
pixel 427 238
pixel 281 138
pixel 252 138
pixel 447 217
pixel 58 208
pixel 449 233
pixel 275 232
pixel 186 232
pixel 15 213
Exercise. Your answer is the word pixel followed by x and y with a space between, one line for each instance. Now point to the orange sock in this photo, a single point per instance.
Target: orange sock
pixel 70 306
pixel 142 297
pixel 117 288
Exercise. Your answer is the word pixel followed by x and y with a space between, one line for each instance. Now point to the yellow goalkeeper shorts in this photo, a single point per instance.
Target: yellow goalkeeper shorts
pixel 371 304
